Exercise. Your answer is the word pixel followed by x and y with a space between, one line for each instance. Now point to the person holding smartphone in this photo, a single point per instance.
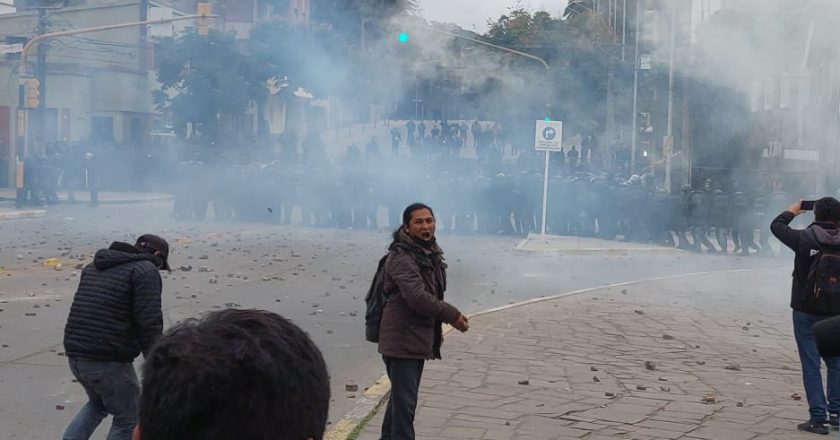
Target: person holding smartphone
pixel 815 296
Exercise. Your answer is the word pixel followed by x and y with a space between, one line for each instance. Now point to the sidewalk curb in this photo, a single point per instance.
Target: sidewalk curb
pixel 108 202
pixel 522 247
pixel 18 215
pixel 367 406
pixel 379 392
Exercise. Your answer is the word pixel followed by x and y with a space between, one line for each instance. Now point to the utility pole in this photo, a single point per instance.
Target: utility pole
pixel 668 145
pixel 41 76
pixel 635 134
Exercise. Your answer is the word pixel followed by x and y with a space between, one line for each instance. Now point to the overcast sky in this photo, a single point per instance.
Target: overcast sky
pixel 473 14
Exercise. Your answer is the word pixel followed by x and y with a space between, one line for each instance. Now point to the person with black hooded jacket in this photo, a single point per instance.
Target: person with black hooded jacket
pixel 820 240
pixel 116 314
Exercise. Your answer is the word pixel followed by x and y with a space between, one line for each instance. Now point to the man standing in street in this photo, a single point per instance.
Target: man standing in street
pixel 410 330
pixel 115 315
pixel 815 295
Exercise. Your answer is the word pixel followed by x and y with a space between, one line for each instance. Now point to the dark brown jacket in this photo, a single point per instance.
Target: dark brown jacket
pixel 415 279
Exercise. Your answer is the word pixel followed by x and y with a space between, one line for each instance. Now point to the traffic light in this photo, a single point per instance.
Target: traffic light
pixel 402 38
pixel 32 93
pixel 203 26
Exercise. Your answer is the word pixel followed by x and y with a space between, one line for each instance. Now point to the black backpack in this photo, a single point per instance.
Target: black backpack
pixel 375 302
pixel 824 277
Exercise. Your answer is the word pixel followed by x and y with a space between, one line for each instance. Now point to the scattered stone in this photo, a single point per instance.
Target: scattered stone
pixel 740 404
pixel 733 367
pixel 701 362
pixel 353 314
pixel 639 312
pixel 329 332
pixel 650 365
pixel 641 387
pixel 524 382
pixel 609 394
pixel 593 368
pixel 351 396
pixel 785 367
pixel 624 291
pixel 745 328
pixel 796 396
pixel 667 337
pixel 665 388
pixel 185 268
pixel 595 379
pixel 663 378
pixel 213 280
pixel 351 387
pixel 204 269
pixel 30 314
pixel 709 399
pixel 59 407
pixel 203 257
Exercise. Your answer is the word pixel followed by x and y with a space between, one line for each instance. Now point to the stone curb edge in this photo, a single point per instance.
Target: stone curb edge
pixel 109 202
pixel 18 215
pixel 376 394
pixel 522 247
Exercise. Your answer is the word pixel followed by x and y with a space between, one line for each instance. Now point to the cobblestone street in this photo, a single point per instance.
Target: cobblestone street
pixel 684 358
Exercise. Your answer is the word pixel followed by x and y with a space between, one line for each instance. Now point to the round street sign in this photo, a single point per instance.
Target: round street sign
pixel 549 133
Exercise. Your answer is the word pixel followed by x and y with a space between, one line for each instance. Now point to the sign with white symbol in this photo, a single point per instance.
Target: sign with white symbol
pixel 548 136
pixel 11 48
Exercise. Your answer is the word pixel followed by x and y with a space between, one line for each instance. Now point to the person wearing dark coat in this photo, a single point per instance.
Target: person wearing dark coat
pixel 115 315
pixel 809 308
pixel 411 328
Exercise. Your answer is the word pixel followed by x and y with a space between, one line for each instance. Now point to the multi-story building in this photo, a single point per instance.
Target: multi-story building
pixel 95 86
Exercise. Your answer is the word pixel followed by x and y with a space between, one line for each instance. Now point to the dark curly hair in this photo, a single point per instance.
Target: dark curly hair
pixel 249 374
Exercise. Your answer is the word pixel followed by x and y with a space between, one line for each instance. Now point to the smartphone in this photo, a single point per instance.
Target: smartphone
pixel 807 205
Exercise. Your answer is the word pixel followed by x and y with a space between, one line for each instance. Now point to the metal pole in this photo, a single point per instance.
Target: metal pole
pixel 670 130
pixel 635 133
pixel 545 195
pixel 624 31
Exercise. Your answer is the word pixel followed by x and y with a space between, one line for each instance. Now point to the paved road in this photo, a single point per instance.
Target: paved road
pixel 315 277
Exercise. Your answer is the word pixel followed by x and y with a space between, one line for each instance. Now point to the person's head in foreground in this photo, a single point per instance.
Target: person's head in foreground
pixel 235 374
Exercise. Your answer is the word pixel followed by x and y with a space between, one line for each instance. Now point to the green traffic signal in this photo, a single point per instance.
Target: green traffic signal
pixel 547 119
pixel 403 38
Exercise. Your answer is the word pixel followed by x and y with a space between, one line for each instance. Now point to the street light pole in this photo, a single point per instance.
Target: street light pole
pixel 526 55
pixel 668 146
pixel 635 134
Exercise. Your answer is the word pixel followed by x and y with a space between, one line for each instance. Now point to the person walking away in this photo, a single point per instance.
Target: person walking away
pixel 410 331
pixel 115 315
pixel 815 295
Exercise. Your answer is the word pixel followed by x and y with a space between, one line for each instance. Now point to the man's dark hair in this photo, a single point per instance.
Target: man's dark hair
pixel 406 218
pixel 827 209
pixel 248 374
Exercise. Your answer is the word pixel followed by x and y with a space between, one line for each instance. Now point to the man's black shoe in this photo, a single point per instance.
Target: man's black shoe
pixel 834 421
pixel 813 427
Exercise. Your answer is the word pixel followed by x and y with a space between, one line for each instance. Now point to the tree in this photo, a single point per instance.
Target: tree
pixel 353 18
pixel 202 80
pixel 578 8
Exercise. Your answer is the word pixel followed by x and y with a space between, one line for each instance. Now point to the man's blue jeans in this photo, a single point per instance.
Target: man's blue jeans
pixel 112 388
pixel 809 357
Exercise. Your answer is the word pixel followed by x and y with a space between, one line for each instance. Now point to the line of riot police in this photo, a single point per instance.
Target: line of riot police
pixel 474 197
